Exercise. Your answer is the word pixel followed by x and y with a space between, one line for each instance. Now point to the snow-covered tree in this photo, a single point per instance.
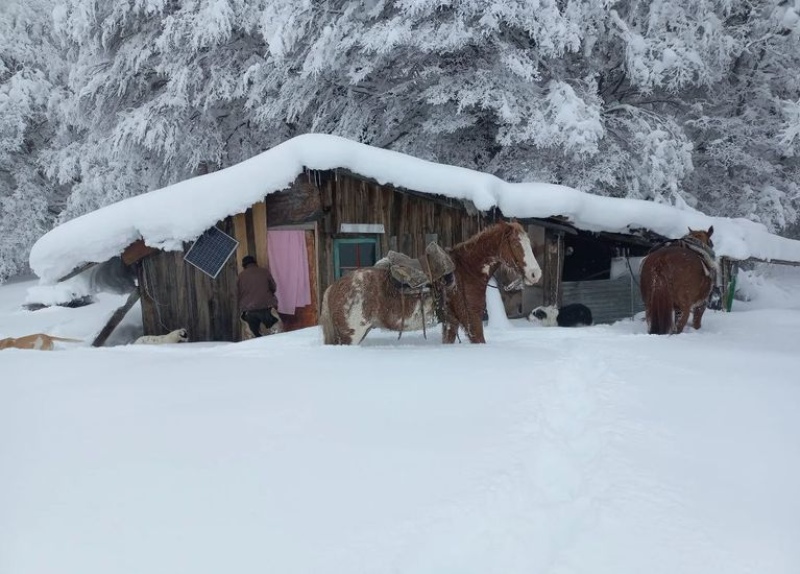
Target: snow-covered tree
pixel 28 199
pixel 691 102
pixel 157 93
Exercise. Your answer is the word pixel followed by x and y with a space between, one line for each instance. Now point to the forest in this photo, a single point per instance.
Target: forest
pixel 695 103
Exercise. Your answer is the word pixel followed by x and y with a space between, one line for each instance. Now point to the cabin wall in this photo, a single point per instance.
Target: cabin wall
pixel 176 295
pixel 409 221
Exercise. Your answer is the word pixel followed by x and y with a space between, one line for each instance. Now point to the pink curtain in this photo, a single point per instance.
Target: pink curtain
pixel 288 261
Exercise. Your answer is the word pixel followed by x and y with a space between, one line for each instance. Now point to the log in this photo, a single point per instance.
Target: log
pixel 77 271
pixel 115 319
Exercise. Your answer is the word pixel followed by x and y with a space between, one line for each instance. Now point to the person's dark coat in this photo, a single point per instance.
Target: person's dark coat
pixel 256 288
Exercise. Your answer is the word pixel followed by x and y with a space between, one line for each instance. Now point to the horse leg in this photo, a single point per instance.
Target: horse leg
pixel 681 318
pixel 697 315
pixel 449 332
pixel 475 331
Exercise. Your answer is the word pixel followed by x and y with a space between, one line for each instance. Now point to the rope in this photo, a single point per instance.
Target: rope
pixel 422 311
pixel 630 271
pixel 403 314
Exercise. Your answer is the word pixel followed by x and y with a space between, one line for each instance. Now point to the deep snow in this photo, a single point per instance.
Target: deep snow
pixel 591 450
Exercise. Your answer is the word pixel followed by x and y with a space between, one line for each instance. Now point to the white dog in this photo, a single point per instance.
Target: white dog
pixel 177 336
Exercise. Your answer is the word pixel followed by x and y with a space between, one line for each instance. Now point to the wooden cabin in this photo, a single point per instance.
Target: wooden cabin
pixel 344 221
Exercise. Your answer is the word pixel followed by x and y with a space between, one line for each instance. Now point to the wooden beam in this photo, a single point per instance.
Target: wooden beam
pixel 775 261
pixel 301 203
pixel 77 271
pixel 240 234
pixel 260 233
pixel 630 239
pixel 549 224
pixel 115 319
pixel 136 251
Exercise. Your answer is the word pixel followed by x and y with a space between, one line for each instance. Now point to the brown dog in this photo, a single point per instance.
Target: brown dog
pixel 38 341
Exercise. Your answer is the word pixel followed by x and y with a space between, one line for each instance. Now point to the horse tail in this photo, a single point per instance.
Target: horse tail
pixel 660 308
pixel 326 320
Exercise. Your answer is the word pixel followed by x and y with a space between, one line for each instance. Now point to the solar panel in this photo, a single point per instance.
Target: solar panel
pixel 210 251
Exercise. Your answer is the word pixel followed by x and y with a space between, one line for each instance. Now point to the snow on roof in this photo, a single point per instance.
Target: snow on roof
pixel 166 217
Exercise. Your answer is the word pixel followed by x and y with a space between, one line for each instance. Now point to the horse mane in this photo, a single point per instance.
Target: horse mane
pixel 481 235
pixel 477 246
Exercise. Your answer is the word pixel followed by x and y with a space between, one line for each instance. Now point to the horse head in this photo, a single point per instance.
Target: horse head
pixel 517 253
pixel 702 236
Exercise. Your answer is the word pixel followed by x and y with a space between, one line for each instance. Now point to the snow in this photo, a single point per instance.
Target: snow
pixel 167 217
pixel 597 450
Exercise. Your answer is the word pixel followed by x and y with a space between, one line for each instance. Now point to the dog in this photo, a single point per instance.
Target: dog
pixel 176 336
pixel 37 341
pixel 572 315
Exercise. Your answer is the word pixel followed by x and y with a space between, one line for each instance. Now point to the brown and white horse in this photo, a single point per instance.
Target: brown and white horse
pixel 367 298
pixel 677 279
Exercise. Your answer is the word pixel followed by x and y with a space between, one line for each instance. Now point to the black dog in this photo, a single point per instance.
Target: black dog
pixel 572 315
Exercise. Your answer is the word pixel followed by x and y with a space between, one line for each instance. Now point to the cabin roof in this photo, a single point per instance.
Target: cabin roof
pixel 165 218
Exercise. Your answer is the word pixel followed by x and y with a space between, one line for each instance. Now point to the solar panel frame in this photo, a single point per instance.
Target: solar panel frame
pixel 212 250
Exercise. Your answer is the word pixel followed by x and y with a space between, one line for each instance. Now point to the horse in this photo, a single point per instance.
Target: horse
pixel 476 260
pixel 676 278
pixel 368 298
pixel 397 294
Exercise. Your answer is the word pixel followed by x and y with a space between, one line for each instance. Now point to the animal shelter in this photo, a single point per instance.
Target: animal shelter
pixel 598 269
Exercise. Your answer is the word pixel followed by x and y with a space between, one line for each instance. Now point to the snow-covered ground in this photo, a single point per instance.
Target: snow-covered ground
pixel 597 450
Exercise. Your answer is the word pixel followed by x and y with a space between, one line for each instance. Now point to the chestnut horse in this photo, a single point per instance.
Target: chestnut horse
pixel 477 260
pixel 367 298
pixel 677 279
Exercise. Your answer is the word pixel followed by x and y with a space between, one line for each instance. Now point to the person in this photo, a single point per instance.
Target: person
pixel 257 301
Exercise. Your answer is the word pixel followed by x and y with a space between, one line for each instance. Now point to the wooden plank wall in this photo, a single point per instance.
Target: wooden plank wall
pixel 176 294
pixel 407 218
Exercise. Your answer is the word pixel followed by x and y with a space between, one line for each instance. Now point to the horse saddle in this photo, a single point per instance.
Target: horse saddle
pixel 705 252
pixel 418 275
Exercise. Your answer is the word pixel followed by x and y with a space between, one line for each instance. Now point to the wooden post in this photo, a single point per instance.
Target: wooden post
pixel 260 233
pixel 553 267
pixel 240 234
pixel 115 319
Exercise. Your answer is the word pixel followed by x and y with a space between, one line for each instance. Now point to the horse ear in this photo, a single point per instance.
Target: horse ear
pixel 711 231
